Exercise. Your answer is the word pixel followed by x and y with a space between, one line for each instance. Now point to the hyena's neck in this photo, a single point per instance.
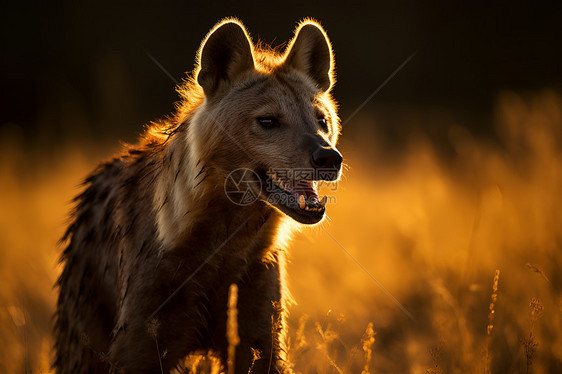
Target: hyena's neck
pixel 189 199
pixel 180 192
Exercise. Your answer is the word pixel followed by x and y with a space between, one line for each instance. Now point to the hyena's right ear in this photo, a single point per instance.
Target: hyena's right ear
pixel 225 54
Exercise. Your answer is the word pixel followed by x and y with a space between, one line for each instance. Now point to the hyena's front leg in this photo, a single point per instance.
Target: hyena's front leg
pixel 154 345
pixel 133 350
pixel 151 344
pixel 261 320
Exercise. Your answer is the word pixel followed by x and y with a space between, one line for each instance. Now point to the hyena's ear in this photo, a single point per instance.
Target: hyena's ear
pixel 225 54
pixel 310 52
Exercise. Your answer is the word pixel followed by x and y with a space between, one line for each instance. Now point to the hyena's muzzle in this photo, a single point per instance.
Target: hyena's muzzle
pixel 294 190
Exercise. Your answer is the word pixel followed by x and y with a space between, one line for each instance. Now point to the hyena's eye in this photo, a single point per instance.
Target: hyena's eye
pixel 268 122
pixel 323 123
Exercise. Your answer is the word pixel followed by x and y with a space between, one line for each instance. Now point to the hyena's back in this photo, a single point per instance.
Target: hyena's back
pixel 89 293
pixel 87 301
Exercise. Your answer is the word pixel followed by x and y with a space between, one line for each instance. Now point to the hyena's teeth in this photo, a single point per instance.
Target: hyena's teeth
pixel 278 181
pixel 274 178
pixel 302 203
pixel 324 201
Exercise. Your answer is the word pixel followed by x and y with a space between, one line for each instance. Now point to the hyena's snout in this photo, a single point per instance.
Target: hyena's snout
pixel 324 158
pixel 328 159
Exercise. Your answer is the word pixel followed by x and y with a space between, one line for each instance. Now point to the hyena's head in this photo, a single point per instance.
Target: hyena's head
pixel 268 120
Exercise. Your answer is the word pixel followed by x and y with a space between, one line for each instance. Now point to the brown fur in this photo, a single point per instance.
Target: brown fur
pixel 148 219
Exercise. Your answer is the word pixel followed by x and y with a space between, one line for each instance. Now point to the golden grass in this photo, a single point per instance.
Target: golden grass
pixel 529 343
pixel 431 231
pixel 490 327
pixel 232 327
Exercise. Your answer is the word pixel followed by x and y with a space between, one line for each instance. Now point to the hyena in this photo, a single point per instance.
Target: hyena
pixel 155 242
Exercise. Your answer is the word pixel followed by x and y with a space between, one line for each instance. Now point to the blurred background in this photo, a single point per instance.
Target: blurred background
pixel 455 171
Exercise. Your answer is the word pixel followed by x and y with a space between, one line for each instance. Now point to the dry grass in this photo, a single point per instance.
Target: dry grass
pixel 529 343
pixel 432 231
pixel 232 327
pixel 490 327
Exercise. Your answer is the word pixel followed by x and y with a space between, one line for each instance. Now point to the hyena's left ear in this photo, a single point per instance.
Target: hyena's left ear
pixel 225 54
pixel 310 52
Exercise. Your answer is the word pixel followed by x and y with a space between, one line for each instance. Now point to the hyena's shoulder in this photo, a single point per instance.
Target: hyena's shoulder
pixel 116 198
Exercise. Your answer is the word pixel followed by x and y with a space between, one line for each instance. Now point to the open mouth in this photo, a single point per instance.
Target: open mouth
pixel 298 198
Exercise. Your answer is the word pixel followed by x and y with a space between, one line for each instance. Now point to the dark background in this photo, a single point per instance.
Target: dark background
pixel 71 70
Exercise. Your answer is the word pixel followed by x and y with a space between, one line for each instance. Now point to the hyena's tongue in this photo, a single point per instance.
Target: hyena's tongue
pixel 305 188
pixel 307 196
pixel 304 192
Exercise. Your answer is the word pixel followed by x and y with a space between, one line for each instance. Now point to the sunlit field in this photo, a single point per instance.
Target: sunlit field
pixel 425 264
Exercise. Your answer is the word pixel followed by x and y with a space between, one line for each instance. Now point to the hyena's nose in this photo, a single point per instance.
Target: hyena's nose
pixel 326 158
